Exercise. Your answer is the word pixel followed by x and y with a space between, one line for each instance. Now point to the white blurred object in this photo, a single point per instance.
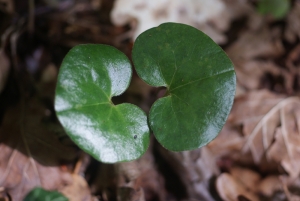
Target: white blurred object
pixel 207 15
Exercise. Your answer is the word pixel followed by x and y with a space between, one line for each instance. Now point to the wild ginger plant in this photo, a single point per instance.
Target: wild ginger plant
pixel 197 74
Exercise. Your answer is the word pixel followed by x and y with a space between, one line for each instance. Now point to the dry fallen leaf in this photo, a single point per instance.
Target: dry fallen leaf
pixel 229 142
pixel 230 189
pixel 286 148
pixel 292 31
pixel 20 173
pixel 269 185
pixel 32 150
pixel 248 111
pixel 252 74
pixel 265 43
pixel 247 177
pixel 77 190
pixel 252 54
pixel 270 125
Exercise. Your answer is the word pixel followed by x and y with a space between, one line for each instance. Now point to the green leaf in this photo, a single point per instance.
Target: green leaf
pixel 89 76
pixel 39 194
pixel 200 82
pixel 277 8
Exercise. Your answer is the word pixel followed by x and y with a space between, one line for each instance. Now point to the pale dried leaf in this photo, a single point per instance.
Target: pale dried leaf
pixel 255 113
pixel 252 107
pixel 247 177
pixel 269 185
pixel 77 190
pixel 229 189
pixel 285 149
pixel 265 117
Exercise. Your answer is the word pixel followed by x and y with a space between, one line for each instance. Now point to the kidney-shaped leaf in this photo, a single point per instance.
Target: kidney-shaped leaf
pixel 200 82
pixel 89 76
pixel 39 194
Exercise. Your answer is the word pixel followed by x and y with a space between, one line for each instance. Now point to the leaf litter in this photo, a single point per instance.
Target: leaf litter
pixel 256 155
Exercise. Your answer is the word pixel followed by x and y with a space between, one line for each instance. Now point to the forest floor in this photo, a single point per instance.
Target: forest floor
pixel 255 157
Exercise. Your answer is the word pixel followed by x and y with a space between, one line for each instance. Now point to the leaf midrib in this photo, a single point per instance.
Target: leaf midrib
pixel 200 79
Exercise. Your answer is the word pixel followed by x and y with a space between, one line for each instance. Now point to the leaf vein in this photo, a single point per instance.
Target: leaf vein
pixel 200 79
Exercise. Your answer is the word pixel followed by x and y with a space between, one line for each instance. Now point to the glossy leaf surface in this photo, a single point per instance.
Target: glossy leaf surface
pixel 39 194
pixel 200 82
pixel 89 76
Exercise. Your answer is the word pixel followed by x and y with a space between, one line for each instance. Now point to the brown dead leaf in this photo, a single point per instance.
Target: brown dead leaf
pixel 292 31
pixel 251 74
pixel 20 173
pixel 32 148
pixel 226 147
pixel 228 142
pixel 293 59
pixel 293 64
pixel 252 55
pixel 230 189
pixel 264 43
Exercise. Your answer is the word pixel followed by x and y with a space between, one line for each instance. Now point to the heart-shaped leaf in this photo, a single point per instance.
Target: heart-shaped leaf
pixel 39 194
pixel 89 76
pixel 200 82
